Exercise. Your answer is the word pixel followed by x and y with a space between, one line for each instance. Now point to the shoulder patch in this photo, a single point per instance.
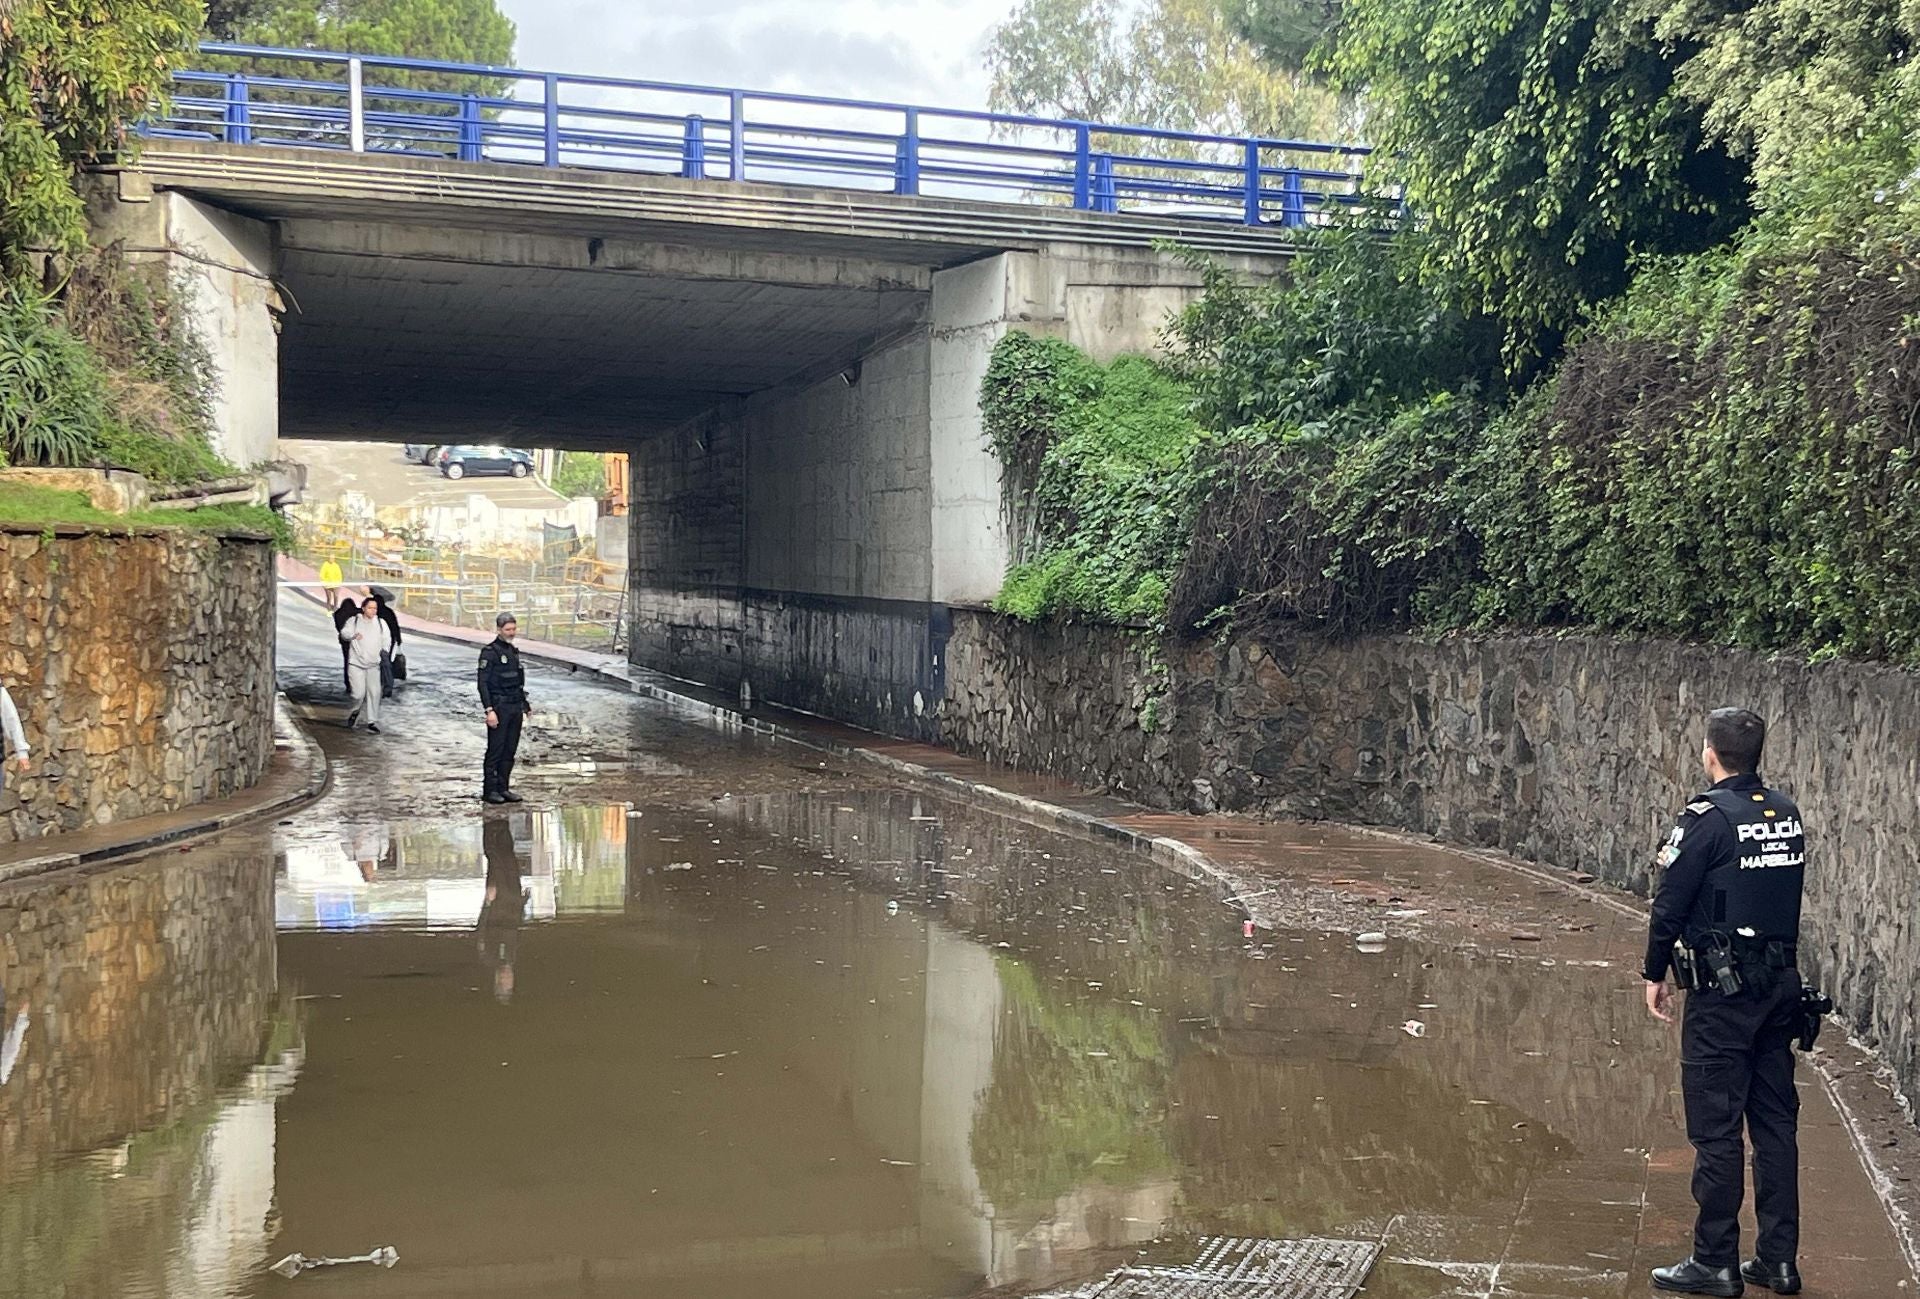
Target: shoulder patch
pixel 486 657
pixel 1700 807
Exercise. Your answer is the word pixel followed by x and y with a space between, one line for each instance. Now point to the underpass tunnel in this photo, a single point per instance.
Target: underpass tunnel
pixel 811 489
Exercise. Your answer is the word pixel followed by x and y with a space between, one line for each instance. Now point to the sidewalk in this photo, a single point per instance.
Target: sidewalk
pixel 296 775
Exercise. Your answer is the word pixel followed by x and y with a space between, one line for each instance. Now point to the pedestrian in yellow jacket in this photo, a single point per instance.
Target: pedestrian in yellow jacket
pixel 330 578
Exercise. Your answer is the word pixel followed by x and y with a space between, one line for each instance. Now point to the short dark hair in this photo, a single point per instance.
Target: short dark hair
pixel 1737 735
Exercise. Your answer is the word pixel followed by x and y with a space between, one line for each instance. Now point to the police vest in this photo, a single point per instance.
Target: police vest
pixel 1758 888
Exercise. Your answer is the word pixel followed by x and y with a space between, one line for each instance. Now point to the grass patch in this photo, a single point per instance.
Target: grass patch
pixel 24 503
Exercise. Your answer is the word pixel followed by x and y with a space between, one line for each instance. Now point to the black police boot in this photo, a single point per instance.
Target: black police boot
pixel 1781 1278
pixel 492 797
pixel 509 796
pixel 1693 1277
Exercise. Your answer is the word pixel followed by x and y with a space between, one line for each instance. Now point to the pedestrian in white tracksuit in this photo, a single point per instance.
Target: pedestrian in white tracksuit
pixel 16 737
pixel 368 641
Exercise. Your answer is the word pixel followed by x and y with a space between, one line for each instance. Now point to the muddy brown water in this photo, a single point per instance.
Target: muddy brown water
pixel 726 1021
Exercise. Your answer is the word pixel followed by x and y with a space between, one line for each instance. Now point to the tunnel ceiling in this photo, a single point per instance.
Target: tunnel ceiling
pixel 397 347
pixel 429 299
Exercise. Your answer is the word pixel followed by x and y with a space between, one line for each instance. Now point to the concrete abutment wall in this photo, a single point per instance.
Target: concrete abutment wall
pixel 809 540
pixel 223 266
pixel 1572 751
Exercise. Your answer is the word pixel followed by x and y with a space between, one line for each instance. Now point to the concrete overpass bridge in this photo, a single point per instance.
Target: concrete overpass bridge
pixel 780 306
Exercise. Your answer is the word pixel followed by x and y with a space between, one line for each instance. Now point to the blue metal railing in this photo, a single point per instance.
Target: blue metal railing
pixel 477 113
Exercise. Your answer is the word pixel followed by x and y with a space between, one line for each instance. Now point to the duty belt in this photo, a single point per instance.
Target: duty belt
pixel 1772 954
pixel 1729 962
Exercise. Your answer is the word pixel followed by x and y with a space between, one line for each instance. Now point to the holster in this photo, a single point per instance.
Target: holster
pixel 1686 974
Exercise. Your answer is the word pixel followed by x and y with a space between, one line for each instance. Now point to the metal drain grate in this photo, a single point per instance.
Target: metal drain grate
pixel 1231 1267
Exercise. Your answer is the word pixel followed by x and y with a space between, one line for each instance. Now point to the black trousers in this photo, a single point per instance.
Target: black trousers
pixel 503 742
pixel 1736 1067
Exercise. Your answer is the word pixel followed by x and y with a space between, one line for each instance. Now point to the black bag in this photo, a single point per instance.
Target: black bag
pixel 399 667
pixel 1814 1007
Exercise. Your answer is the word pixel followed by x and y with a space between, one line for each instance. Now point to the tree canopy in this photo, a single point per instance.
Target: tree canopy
pixel 1286 32
pixel 1174 64
pixel 1778 80
pixel 71 77
pixel 459 31
pixel 1544 144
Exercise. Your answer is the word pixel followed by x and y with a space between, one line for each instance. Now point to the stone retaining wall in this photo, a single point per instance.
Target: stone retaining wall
pixel 1572 751
pixel 142 666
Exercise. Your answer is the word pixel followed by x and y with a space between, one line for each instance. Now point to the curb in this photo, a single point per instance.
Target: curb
pixel 308 760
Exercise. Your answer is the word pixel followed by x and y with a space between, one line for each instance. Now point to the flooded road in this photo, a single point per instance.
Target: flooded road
pixel 709 1016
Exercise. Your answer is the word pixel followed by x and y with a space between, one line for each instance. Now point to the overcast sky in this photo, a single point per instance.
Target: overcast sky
pixel 910 51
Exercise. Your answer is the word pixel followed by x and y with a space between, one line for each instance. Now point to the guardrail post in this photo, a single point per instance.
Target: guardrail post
pixel 737 137
pixel 1251 213
pixel 906 162
pixel 238 131
pixel 356 107
pixel 470 138
pixel 553 120
pixel 1082 166
pixel 693 149
pixel 1105 197
pixel 1293 199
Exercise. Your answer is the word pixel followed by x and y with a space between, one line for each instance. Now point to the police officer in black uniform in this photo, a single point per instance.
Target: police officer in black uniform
pixel 1726 920
pixel 503 693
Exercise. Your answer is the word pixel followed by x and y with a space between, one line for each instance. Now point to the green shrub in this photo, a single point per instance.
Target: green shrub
pixel 1729 453
pixel 1033 388
pixel 53 392
pixel 160 373
pixel 163 459
pixel 1334 403
pixel 72 76
pixel 110 374
pixel 1093 466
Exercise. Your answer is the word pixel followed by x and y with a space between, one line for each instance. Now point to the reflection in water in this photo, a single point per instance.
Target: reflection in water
pixel 864 1041
pixel 14 1037
pixel 504 907
pixel 1078 1096
pixel 428 875
pixel 136 1146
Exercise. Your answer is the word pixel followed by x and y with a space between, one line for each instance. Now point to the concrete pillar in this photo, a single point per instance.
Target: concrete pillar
pixel 222 266
pixel 973 306
pixel 1105 302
